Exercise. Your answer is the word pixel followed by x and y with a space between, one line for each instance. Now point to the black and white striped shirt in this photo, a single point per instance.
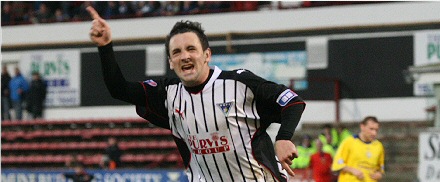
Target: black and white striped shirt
pixel 217 124
pixel 220 129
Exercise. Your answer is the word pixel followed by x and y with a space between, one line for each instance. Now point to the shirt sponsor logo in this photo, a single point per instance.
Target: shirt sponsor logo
pixel 151 83
pixel 210 143
pixel 285 97
pixel 225 107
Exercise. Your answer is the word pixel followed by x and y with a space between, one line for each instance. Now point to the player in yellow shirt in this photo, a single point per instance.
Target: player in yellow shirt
pixel 361 157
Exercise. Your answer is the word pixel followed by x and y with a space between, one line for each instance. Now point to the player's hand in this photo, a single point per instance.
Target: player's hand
pixel 357 173
pixel 286 152
pixel 100 32
pixel 376 175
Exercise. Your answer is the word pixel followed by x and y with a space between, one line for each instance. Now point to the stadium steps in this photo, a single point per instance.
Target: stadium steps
pixel 50 143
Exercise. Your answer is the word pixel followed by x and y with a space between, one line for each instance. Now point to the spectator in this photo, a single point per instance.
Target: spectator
pixel 111 11
pixel 36 96
pixel 169 8
pixel 329 136
pixel 18 87
pixel 201 7
pixel 320 164
pixel 305 150
pixel 146 8
pixel 74 160
pixel 343 133
pixel 113 153
pixel 60 16
pixel 6 14
pixel 67 8
pixel 82 13
pixel 43 14
pixel 125 9
pixel 6 101
pixel 80 174
pixel 20 12
pixel 189 7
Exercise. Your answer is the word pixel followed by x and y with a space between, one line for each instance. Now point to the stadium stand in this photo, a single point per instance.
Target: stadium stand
pixel 49 144
pixel 37 12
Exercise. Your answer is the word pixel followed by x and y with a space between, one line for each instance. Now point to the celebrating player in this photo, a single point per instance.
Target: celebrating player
pixel 361 158
pixel 218 118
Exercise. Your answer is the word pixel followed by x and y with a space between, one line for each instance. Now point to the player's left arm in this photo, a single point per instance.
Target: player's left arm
pixel 292 107
pixel 277 103
pixel 378 174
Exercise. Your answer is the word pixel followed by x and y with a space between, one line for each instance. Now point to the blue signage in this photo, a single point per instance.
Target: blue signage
pixel 21 175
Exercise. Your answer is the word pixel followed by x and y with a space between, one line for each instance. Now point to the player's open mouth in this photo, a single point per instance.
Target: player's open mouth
pixel 187 67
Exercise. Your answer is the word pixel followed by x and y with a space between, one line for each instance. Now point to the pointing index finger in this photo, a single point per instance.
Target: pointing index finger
pixel 93 13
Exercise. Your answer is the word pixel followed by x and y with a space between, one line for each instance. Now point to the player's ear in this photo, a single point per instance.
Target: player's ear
pixel 171 63
pixel 207 54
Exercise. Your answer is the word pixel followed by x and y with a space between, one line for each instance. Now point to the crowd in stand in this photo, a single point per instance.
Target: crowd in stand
pixel 32 12
pixel 35 12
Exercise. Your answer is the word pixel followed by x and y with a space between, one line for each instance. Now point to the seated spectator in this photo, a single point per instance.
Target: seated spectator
pixel 80 174
pixel 43 14
pixel 111 11
pixel 6 13
pixel 124 9
pixel 60 16
pixel 21 12
pixel 82 13
pixel 169 8
pixel 146 8
pixel 74 160
pixel 189 7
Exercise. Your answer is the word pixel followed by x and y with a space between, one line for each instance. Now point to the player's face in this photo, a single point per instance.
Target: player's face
pixel 188 60
pixel 369 130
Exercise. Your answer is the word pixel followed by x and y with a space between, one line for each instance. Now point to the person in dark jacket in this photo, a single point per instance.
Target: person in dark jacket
pixel 6 101
pixel 37 96
pixel 113 153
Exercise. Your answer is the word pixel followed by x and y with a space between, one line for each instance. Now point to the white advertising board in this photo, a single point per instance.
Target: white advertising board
pixel 60 69
pixel 429 157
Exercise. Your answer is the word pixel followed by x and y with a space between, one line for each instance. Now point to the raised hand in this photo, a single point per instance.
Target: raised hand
pixel 100 33
pixel 286 152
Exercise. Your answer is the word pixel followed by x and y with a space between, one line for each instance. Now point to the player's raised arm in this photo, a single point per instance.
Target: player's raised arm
pixel 100 33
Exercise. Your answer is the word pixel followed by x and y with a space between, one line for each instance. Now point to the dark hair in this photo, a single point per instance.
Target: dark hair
pixel 187 26
pixel 369 118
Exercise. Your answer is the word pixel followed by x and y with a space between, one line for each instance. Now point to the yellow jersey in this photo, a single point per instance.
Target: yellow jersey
pixel 367 157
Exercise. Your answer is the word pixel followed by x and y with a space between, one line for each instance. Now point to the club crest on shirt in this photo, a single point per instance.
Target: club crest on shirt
pixel 369 155
pixel 225 107
pixel 285 97
pixel 151 83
